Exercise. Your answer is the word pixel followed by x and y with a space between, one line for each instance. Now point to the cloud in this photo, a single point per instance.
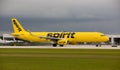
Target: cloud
pixel 58 8
pixel 69 15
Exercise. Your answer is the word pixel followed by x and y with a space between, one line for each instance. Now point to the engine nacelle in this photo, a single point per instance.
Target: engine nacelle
pixel 62 42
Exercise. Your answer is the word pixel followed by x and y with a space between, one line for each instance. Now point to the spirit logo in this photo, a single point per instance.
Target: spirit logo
pixel 62 35
pixel 19 29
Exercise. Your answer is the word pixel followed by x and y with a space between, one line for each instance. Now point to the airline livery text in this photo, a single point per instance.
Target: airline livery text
pixel 62 35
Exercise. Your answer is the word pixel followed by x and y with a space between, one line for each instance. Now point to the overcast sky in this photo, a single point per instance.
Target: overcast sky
pixel 62 15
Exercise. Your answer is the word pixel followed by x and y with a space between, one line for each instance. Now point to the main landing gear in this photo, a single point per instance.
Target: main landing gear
pixel 55 45
pixel 98 45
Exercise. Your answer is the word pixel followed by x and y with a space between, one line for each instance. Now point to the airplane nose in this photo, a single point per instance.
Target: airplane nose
pixel 106 38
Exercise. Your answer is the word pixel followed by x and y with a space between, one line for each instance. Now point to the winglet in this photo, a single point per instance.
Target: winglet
pixel 17 27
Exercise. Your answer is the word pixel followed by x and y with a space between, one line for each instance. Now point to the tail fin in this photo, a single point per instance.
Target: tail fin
pixel 16 26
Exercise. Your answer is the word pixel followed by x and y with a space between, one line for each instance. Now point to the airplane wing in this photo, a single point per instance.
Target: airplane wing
pixel 59 41
pixel 51 38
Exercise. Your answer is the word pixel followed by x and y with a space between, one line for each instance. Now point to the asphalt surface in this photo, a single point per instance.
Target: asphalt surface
pixel 67 47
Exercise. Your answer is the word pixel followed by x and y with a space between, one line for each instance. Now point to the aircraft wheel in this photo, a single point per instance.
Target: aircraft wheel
pixel 97 45
pixel 54 45
pixel 61 45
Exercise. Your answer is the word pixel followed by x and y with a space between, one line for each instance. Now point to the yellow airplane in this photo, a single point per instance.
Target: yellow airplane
pixel 57 38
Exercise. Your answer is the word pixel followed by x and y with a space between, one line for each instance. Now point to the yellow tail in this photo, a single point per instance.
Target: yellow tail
pixel 16 26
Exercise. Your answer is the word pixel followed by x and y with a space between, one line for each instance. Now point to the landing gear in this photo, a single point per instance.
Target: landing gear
pixel 98 45
pixel 54 45
pixel 61 45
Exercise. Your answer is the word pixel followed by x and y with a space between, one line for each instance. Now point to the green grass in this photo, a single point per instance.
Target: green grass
pixel 59 59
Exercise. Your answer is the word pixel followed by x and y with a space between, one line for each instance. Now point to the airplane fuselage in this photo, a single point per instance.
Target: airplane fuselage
pixel 69 36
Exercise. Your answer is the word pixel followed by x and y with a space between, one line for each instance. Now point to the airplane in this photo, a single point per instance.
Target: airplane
pixel 57 38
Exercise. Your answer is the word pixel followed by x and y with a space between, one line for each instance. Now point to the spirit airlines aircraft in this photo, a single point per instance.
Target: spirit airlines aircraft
pixel 57 38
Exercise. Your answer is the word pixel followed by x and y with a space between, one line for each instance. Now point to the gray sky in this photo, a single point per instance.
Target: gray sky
pixel 62 15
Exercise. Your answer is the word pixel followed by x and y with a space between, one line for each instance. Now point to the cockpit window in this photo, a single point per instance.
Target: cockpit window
pixel 102 35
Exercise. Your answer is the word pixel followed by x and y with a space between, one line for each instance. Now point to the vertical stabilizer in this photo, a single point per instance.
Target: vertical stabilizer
pixel 16 26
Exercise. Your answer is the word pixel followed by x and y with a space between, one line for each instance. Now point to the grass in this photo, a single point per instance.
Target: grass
pixel 59 59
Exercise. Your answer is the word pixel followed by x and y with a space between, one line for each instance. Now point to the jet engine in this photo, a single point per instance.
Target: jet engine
pixel 62 42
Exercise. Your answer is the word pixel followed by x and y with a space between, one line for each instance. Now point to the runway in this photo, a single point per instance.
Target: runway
pixel 66 47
